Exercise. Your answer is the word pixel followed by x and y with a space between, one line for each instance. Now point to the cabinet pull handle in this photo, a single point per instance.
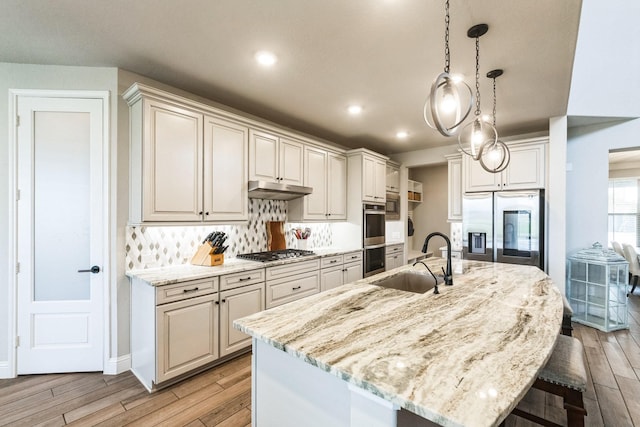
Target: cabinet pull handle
pixel 242 279
pixel 200 213
pixel 217 303
pixel 206 213
pixel 354 257
pixel 333 261
pixel 344 269
pixel 190 290
pixel 224 300
pixel 296 288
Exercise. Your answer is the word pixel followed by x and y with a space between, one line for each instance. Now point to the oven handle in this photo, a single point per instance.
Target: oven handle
pixel 382 212
pixel 382 245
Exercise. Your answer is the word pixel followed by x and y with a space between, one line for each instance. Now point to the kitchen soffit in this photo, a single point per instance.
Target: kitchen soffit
pixel 382 54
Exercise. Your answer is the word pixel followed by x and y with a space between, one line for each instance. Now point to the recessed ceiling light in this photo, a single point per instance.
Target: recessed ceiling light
pixel 402 135
pixel 266 58
pixel 354 110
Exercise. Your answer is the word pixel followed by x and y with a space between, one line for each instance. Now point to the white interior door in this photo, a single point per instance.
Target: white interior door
pixel 60 231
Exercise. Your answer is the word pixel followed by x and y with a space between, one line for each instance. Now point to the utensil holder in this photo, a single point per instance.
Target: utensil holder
pixel 302 244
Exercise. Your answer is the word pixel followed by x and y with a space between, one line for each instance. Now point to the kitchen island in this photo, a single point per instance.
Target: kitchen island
pixel 359 353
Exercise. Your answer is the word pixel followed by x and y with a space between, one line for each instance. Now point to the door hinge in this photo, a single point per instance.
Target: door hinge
pixel 17 267
pixel 17 341
pixel 17 121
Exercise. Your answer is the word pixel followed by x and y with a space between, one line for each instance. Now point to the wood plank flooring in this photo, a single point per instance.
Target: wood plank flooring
pixel 221 396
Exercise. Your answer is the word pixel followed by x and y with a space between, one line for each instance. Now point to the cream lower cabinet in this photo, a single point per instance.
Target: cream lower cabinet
pixel 394 256
pixel 290 282
pixel 235 304
pixel 241 294
pixel 187 334
pixel 340 269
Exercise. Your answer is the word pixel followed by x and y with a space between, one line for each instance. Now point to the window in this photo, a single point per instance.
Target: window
pixel 624 217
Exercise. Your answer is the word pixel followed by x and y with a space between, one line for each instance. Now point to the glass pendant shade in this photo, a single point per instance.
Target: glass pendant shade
pixel 448 104
pixel 475 135
pixel 494 158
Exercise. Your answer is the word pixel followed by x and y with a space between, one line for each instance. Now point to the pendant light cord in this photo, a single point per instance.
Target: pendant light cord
pixel 447 60
pixel 477 112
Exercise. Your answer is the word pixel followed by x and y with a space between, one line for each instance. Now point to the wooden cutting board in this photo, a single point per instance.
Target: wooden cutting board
pixel 275 236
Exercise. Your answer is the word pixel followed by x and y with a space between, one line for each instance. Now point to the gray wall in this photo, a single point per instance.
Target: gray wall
pixel 587 178
pixel 23 76
pixel 431 214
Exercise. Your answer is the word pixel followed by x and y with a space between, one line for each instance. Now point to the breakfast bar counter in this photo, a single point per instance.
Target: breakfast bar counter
pixel 361 354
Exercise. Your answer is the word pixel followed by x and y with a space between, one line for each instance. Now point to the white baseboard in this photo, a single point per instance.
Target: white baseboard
pixel 118 365
pixel 5 372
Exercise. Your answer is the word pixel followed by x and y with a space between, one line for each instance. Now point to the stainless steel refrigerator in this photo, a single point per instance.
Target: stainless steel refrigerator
pixel 504 226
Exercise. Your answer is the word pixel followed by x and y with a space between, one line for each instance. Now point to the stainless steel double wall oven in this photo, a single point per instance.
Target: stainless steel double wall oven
pixel 373 238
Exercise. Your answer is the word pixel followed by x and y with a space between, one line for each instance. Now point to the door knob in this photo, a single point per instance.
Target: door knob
pixel 95 270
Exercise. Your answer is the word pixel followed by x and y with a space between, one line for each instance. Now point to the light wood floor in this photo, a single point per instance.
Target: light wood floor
pixel 221 396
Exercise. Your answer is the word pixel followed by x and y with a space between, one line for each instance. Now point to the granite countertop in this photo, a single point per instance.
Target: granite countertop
pixel 178 273
pixel 464 357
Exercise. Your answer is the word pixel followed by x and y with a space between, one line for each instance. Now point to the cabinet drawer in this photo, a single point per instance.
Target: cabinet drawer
pixel 394 249
pixel 280 271
pixel 231 281
pixel 352 257
pixel 184 290
pixel 292 288
pixel 331 261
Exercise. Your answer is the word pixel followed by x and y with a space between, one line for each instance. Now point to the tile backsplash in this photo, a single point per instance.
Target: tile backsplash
pixel 161 246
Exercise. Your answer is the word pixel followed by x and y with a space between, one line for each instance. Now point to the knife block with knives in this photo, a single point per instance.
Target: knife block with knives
pixel 211 251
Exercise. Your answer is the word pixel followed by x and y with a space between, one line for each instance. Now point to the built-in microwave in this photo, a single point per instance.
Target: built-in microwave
pixel 392 206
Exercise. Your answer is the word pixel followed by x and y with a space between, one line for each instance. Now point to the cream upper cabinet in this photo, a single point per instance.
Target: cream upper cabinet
pixel 374 179
pixel 526 170
pixel 166 156
pixel 225 170
pixel 336 187
pixel 392 178
pixel 275 159
pixel 186 165
pixel 326 173
pixel 454 186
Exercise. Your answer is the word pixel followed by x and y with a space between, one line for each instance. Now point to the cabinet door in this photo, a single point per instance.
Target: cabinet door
pixel 315 176
pixel 187 333
pixel 526 169
pixel 290 153
pixel 235 304
pixel 337 187
pixel 172 164
pixel 352 272
pixel 225 170
pixel 392 261
pixel 393 179
pixel 478 179
pixel 381 180
pixel 454 184
pixel 263 156
pixel 368 179
pixel 331 278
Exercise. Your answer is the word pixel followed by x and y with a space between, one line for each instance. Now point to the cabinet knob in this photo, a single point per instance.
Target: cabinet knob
pixel 224 300
pixel 217 303
pixel 206 213
pixel 200 213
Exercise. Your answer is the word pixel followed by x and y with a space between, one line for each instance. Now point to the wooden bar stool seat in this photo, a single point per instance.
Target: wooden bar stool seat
pixel 564 375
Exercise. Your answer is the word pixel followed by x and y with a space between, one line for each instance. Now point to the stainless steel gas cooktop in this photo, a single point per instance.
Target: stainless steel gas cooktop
pixel 275 255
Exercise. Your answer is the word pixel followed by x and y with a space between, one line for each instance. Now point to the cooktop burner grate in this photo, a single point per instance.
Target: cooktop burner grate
pixel 275 255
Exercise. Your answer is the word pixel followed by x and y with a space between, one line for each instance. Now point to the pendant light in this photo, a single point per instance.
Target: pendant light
pixel 495 158
pixel 478 132
pixel 450 100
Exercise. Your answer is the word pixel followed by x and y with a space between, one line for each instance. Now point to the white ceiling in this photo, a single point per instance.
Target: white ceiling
pixel 380 53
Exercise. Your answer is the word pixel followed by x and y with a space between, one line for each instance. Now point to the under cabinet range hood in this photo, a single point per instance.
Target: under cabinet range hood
pixel 275 191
